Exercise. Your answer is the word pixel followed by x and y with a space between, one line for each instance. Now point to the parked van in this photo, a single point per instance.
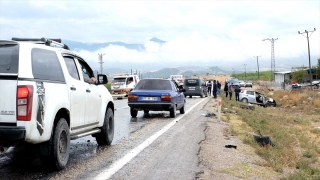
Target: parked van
pixel 195 87
pixel 123 84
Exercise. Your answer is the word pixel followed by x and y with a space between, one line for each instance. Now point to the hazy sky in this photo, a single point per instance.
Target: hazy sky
pixel 207 33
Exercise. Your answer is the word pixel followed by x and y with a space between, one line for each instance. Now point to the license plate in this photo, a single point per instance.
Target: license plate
pixel 149 98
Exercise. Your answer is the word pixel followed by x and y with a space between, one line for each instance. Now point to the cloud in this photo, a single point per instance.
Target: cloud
pixel 209 33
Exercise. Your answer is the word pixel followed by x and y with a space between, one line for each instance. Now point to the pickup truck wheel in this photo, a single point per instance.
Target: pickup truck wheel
pixel 173 111
pixel 59 154
pixel 244 100
pixel 133 112
pixel 105 137
pixel 182 110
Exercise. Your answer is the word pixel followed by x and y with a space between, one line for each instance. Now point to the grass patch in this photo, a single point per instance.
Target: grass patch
pixel 289 126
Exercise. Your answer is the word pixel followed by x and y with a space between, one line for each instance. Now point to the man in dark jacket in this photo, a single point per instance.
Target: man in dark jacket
pixel 209 85
pixel 237 90
pixel 226 88
pixel 214 89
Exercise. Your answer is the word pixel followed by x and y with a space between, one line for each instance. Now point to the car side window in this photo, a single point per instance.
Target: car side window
pixel 250 92
pixel 86 73
pixel 46 65
pixel 72 68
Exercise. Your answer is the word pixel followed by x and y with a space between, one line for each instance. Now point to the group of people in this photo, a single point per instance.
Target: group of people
pixel 215 87
pixel 228 89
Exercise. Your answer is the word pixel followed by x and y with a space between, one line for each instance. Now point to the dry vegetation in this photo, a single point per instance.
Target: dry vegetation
pixel 293 126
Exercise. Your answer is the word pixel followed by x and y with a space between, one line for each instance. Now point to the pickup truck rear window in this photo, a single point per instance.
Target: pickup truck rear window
pixel 46 65
pixel 9 58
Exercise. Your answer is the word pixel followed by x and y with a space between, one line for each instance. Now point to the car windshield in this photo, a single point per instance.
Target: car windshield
pixel 119 80
pixel 153 84
pixel 233 80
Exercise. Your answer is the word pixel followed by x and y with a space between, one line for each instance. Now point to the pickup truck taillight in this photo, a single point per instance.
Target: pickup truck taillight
pixel 166 98
pixel 132 97
pixel 24 102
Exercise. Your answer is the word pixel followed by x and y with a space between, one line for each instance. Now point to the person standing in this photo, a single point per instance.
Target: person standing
pixel 225 89
pixel 214 89
pixel 230 90
pixel 218 87
pixel 209 85
pixel 237 90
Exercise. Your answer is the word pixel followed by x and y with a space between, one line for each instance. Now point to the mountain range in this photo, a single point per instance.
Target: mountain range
pixel 164 72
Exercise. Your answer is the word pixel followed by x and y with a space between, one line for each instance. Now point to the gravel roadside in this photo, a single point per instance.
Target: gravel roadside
pixel 220 162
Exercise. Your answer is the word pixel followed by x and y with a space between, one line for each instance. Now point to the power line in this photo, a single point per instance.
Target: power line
pixel 272 56
pixel 307 32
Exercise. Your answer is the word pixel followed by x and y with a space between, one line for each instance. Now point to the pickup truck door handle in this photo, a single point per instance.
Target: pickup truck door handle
pixel 73 88
pixel 88 90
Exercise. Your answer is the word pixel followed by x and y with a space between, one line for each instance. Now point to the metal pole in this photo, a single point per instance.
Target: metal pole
pixel 258 65
pixel 245 72
pixel 310 70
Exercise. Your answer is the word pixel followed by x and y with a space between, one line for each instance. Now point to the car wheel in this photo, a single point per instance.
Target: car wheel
pixel 60 148
pixel 173 111
pixel 105 137
pixel 133 112
pixel 146 111
pixel 182 110
pixel 245 100
pixel 190 96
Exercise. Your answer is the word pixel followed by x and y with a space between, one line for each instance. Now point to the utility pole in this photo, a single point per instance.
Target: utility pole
pixel 257 64
pixel 307 32
pixel 245 72
pixel 272 56
pixel 101 62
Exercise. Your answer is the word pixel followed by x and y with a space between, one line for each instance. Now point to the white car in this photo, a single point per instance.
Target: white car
pixel 45 100
pixel 255 97
pixel 242 83
pixel 248 84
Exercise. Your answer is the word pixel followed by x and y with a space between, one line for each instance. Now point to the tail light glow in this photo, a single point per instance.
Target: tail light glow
pixel 24 102
pixel 166 98
pixel 132 97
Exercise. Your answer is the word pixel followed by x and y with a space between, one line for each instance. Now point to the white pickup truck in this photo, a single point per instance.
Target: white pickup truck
pixel 46 101
pixel 123 84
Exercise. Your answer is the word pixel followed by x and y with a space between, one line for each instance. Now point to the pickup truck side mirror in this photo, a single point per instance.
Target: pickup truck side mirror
pixel 102 79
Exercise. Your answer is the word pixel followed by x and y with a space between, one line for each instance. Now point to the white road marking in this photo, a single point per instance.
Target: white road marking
pixel 122 107
pixel 116 166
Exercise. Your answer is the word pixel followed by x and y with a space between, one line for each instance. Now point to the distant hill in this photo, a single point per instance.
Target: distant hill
pixel 185 71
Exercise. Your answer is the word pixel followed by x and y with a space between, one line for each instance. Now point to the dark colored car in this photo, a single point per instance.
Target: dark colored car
pixel 195 87
pixel 235 82
pixel 156 95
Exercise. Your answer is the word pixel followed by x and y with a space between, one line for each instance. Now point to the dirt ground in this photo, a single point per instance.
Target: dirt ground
pixel 220 162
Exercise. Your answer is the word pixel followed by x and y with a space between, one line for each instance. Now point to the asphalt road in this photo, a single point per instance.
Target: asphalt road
pixel 151 146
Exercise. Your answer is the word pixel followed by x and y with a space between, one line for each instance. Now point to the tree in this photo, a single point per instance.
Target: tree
pixel 299 75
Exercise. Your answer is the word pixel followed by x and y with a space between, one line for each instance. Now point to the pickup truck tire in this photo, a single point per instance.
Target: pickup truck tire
pixel 173 111
pixel 105 137
pixel 133 112
pixel 59 154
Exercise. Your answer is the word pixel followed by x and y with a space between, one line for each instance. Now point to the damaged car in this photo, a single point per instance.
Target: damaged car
pixel 254 97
